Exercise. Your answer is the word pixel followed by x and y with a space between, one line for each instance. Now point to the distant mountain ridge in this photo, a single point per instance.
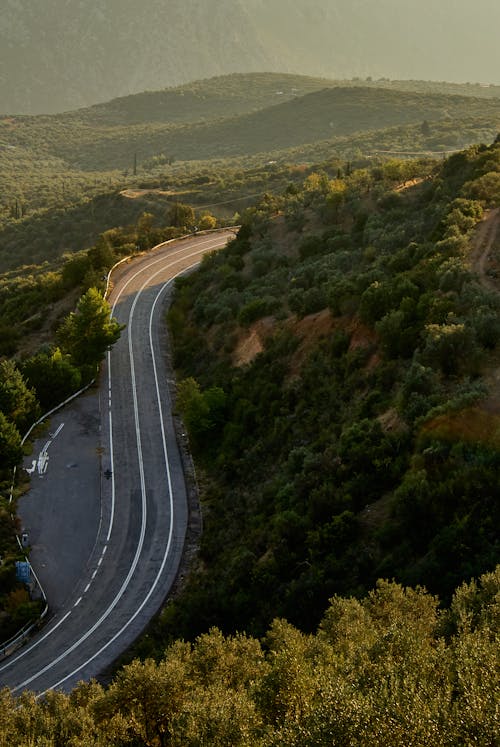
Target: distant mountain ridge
pixel 65 54
pixel 232 116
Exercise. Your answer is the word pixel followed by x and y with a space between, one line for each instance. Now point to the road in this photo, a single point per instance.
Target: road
pixel 140 516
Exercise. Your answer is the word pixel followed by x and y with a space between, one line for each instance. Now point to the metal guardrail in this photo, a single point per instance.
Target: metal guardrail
pixel 8 647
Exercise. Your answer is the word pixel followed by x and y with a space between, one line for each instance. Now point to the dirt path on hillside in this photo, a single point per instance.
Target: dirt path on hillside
pixel 485 255
pixel 133 194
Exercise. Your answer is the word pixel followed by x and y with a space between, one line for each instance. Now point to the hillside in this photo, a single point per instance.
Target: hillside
pixel 304 119
pixel 71 53
pixel 344 353
pixel 207 99
pixel 203 138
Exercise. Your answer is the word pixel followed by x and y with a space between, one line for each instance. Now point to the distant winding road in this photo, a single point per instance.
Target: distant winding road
pixel 143 505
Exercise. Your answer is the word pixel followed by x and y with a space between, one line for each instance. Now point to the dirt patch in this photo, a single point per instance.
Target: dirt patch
pixel 362 337
pixel 410 183
pixel 376 514
pixel 310 330
pixel 314 326
pixel 31 342
pixel 133 194
pixel 391 422
pixel 473 425
pixel 251 342
pixel 321 325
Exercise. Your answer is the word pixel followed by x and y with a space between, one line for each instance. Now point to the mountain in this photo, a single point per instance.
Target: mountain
pixel 106 137
pixel 73 53
pixel 77 52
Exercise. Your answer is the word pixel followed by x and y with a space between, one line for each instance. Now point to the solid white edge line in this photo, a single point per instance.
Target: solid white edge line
pixel 134 564
pixel 169 542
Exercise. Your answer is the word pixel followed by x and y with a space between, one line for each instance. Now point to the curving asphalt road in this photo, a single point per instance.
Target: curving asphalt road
pixel 131 509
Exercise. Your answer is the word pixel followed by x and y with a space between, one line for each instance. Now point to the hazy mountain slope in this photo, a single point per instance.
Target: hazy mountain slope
pixel 76 52
pixel 70 53
pixel 212 98
pixel 305 119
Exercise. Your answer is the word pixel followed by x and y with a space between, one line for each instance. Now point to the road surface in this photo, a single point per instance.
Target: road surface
pixel 140 515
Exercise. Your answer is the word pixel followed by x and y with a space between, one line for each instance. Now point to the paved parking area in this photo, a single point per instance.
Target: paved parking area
pixel 63 504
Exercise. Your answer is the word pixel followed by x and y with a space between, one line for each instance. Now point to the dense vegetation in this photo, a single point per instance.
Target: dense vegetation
pixel 62 349
pixel 337 366
pixel 356 438
pixel 389 670
pixel 235 121
pixel 329 113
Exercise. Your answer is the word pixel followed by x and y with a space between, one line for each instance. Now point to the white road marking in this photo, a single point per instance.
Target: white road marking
pixel 40 640
pixel 58 431
pixel 77 602
pixel 43 462
pixel 170 534
pixel 139 548
pixel 43 457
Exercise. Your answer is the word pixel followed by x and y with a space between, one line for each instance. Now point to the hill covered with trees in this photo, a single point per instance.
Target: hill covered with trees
pixel 338 363
pixel 204 138
pixel 323 114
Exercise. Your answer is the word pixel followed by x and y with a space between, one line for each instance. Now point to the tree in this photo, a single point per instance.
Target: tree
pixel 89 331
pixel 53 376
pixel 145 231
pixel 202 412
pixel 181 216
pixel 75 267
pixel 101 255
pixel 11 451
pixel 425 128
pixel 206 221
pixel 17 400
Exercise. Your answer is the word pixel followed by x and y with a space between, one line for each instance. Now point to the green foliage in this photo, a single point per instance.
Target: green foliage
pixel 17 402
pixel 10 444
pixel 387 670
pixel 181 216
pixel 88 332
pixel 53 377
pixel 319 479
pixel 312 451
pixel 202 412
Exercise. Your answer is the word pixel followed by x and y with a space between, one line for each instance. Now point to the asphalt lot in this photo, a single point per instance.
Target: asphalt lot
pixel 61 512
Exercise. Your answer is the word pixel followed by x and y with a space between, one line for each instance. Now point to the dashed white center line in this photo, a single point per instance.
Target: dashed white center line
pixel 77 602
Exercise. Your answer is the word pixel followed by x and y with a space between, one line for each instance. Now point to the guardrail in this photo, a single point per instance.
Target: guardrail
pixel 8 647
